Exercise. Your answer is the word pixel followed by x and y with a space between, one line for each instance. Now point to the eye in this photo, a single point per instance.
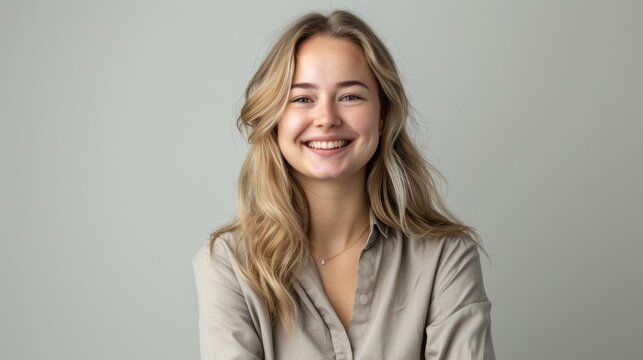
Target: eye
pixel 350 97
pixel 301 99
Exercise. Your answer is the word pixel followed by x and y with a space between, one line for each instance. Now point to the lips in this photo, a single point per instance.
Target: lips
pixel 333 144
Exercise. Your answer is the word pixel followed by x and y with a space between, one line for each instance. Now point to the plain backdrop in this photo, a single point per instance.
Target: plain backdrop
pixel 119 155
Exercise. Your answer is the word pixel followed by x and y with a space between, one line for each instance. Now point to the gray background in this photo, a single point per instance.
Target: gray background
pixel 119 155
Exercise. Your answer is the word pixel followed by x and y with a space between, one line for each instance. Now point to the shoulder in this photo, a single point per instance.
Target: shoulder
pixel 221 253
pixel 459 270
pixel 437 248
pixel 458 245
pixel 444 257
pixel 457 251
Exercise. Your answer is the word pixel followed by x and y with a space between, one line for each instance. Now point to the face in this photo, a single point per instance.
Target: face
pixel 331 125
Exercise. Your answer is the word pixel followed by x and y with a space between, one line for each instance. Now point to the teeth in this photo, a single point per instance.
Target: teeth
pixel 326 144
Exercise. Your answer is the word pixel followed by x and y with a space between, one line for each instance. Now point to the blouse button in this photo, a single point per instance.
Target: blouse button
pixel 363 299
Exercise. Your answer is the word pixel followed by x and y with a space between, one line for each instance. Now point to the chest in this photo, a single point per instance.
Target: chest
pixel 339 279
pixel 376 294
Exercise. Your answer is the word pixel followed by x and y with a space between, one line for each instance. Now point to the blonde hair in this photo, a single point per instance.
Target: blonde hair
pixel 272 221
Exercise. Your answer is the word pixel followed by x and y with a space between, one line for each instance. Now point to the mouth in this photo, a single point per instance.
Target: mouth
pixel 327 145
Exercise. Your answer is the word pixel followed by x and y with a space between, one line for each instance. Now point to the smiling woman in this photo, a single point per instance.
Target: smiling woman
pixel 343 248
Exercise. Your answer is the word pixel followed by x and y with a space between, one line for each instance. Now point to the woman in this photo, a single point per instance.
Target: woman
pixel 342 247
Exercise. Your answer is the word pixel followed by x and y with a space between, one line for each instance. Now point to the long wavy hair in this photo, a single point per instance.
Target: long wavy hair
pixel 272 222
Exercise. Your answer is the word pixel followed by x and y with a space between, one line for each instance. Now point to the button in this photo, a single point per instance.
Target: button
pixel 363 299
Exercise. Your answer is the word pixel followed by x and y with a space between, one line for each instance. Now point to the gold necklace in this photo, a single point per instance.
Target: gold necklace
pixel 323 261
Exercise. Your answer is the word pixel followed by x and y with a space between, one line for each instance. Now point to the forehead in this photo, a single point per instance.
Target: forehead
pixel 323 58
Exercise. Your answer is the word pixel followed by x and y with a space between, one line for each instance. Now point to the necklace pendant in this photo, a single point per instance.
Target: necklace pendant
pixel 323 262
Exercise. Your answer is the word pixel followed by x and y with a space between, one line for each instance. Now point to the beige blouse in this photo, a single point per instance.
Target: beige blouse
pixel 415 299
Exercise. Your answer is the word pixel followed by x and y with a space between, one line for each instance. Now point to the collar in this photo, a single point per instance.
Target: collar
pixel 376 226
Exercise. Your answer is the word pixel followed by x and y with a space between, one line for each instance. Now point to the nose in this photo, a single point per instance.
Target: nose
pixel 327 115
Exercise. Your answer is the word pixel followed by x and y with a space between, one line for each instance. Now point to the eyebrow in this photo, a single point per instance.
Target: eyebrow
pixel 339 85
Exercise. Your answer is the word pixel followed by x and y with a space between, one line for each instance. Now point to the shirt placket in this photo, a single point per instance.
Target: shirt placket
pixel 366 277
pixel 312 285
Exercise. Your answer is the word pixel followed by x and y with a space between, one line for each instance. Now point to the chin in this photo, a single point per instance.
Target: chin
pixel 320 174
pixel 327 176
pixel 332 175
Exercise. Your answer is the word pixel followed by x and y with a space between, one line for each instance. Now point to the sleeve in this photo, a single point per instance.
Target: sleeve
pixel 459 322
pixel 226 330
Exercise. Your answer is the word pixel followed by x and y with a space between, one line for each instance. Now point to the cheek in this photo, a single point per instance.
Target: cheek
pixel 367 123
pixel 289 127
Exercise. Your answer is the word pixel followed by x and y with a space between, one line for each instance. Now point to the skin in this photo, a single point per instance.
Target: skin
pixel 334 95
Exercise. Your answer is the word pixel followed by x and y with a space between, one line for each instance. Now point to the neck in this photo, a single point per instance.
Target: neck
pixel 338 212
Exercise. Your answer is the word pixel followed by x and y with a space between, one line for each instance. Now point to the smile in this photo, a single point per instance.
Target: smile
pixel 327 144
